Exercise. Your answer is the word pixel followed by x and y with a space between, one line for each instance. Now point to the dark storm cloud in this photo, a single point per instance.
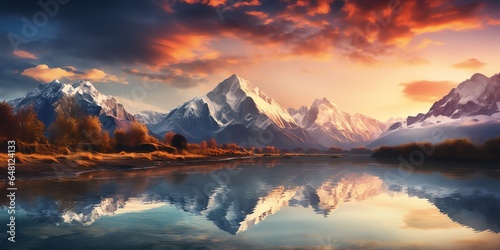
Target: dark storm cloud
pixel 123 31
pixel 12 84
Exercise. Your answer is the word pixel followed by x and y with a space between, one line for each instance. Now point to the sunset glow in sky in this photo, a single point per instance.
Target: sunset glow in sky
pixel 380 58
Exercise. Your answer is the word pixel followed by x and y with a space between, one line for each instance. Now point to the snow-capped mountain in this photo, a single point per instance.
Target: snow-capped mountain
pixel 143 112
pixel 332 127
pixel 472 110
pixel 149 116
pixel 235 111
pixel 478 95
pixel 44 98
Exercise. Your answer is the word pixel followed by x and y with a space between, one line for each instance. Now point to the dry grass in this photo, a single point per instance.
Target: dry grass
pixel 38 161
pixel 34 158
pixel 84 156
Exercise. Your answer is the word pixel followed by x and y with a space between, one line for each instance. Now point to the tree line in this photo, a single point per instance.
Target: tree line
pixel 75 130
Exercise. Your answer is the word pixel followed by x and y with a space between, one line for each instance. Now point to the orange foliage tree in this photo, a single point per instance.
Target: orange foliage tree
pixel 168 137
pixel 212 143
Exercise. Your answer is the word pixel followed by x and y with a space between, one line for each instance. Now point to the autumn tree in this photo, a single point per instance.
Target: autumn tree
pixel 8 124
pixel 137 134
pixel 29 128
pixel 270 150
pixel 212 143
pixel 120 137
pixel 233 146
pixel 68 106
pixel 91 131
pixel 168 137
pixel 179 142
pixel 203 145
pixel 107 143
pixel 64 130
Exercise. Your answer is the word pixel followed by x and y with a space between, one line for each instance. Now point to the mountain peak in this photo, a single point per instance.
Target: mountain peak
pixel 84 85
pixel 55 82
pixel 478 77
pixel 233 76
pixel 323 102
pixel 233 83
pixel 475 89
pixel 44 97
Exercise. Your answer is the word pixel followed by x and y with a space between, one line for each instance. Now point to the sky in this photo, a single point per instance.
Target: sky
pixel 390 58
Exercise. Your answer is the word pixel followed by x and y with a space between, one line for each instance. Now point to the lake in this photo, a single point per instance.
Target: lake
pixel 352 202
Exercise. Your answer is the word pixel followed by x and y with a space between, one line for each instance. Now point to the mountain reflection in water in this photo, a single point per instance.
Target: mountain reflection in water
pixel 238 196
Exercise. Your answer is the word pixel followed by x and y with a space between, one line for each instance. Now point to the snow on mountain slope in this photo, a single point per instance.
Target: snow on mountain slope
pixel 143 112
pixel 192 119
pixel 149 116
pixel 237 94
pixel 44 97
pixel 472 110
pixel 478 95
pixel 137 106
pixel 335 128
pixel 298 114
pixel 15 102
pixel 235 111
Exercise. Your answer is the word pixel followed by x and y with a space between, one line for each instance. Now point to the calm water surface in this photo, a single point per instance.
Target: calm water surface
pixel 298 203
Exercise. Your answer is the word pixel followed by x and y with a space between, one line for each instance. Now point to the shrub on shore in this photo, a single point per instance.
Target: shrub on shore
pixel 453 149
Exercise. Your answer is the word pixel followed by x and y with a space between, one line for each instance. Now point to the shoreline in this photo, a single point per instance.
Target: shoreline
pixel 47 167
pixel 44 167
pixel 35 167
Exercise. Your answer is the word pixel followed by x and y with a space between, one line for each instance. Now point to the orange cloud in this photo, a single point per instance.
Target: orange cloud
pixel 313 7
pixel 98 75
pixel 396 23
pixel 247 3
pixel 426 91
pixel 213 3
pixel 493 22
pixel 24 54
pixel 182 48
pixel 319 44
pixel 427 42
pixel 259 14
pixel 322 7
pixel 360 57
pixel 471 63
pixel 44 73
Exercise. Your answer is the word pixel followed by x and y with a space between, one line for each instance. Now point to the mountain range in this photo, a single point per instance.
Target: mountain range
pixel 44 98
pixel 472 110
pixel 332 127
pixel 235 111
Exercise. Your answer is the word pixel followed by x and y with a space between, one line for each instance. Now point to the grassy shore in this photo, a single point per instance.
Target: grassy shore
pixel 62 165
